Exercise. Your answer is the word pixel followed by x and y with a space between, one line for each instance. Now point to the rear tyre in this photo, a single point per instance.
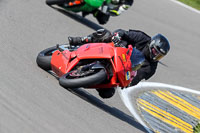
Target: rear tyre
pixel 68 81
pixel 44 58
pixel 55 2
pixel 106 93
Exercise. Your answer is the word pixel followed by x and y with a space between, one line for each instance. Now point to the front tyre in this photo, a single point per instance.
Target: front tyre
pixel 73 80
pixel 44 58
pixel 55 2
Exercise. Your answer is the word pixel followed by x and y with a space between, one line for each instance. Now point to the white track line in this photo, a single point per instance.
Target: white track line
pixel 125 96
pixel 186 6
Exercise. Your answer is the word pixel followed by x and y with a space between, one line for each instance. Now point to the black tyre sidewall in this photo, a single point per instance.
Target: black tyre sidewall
pixel 55 2
pixel 44 61
pixel 83 82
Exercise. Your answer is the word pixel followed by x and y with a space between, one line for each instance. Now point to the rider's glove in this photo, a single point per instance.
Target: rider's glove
pixel 116 38
pixel 118 10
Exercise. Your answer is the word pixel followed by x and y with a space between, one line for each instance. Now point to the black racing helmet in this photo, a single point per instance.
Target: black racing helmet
pixel 159 47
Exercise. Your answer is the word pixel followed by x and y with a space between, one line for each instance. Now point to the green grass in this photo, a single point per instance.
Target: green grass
pixel 192 3
pixel 196 129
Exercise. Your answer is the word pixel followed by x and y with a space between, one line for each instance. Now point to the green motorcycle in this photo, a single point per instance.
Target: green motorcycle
pixel 84 6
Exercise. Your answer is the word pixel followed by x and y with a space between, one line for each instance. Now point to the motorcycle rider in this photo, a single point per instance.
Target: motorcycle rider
pixel 153 48
pixel 101 9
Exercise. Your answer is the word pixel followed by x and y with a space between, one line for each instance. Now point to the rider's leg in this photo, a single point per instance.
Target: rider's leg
pixel 101 17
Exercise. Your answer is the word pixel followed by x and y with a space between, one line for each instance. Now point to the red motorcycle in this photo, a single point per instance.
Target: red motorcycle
pixel 94 65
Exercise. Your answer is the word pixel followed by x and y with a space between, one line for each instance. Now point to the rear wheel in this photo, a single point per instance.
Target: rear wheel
pixel 55 2
pixel 44 58
pixel 82 78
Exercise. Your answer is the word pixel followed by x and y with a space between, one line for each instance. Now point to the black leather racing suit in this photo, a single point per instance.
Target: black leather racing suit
pixel 140 41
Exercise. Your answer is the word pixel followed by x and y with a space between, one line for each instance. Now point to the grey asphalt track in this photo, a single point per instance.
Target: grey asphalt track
pixel 31 100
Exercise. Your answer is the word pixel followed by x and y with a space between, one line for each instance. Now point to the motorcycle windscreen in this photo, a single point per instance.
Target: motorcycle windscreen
pixel 137 59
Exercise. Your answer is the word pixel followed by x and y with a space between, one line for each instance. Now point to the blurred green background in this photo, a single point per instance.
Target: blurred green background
pixel 192 3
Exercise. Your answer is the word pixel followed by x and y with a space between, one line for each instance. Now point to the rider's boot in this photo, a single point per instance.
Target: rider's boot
pixel 101 17
pixel 85 14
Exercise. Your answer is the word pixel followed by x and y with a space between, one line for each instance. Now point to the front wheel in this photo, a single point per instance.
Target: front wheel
pixel 75 79
pixel 44 58
pixel 55 2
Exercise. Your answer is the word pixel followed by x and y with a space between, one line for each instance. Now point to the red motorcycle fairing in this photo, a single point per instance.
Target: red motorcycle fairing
pixel 95 51
pixel 123 65
pixel 63 62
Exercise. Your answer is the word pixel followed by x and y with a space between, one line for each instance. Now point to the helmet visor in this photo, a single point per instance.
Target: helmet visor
pixel 156 54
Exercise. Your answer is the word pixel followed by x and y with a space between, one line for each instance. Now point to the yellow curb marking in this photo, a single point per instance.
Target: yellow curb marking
pixel 165 116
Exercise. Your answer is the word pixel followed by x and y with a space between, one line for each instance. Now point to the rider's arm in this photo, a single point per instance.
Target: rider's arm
pixel 135 37
pixel 138 38
pixel 101 35
pixel 145 72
